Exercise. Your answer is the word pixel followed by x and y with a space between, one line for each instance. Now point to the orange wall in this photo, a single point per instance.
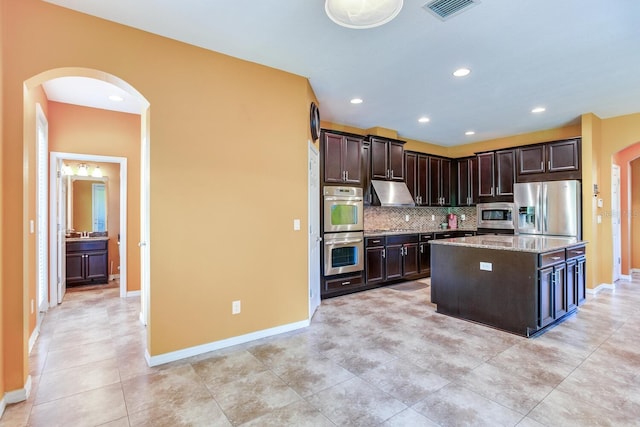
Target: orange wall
pixel 2 139
pixel 226 136
pixel 74 129
pixel 629 219
pixel 635 215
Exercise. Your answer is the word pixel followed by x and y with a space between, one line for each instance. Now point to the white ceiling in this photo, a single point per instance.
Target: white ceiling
pixel 570 56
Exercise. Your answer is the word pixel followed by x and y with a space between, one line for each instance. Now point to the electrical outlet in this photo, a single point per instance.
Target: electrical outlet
pixel 296 224
pixel 486 266
pixel 235 307
pixel 463 217
pixel 433 217
pixel 406 218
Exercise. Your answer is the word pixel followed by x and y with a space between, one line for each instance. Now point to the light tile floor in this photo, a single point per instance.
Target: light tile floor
pixel 381 357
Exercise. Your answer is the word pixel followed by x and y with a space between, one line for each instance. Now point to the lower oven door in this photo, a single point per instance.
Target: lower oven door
pixel 343 253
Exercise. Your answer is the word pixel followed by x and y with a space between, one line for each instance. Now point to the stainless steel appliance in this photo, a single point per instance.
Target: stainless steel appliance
pixel 496 216
pixel 343 253
pixel 551 208
pixel 343 209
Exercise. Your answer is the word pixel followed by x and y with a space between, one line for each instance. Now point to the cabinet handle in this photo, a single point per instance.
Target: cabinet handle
pixel 384 253
pixel 555 258
pixel 579 252
pixel 375 241
pixel 346 175
pixel 421 249
pixel 345 283
pixel 549 165
pixel 391 173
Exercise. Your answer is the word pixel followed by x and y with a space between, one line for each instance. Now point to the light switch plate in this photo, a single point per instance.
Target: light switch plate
pixel 296 224
pixel 486 266
pixel 600 203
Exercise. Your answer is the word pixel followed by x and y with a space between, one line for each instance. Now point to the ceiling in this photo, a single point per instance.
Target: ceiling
pixel 570 56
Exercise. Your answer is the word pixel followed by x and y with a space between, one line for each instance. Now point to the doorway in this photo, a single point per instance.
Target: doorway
pixel 615 222
pixel 314 230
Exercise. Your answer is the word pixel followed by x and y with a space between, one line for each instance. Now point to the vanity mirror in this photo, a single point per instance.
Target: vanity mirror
pixel 87 203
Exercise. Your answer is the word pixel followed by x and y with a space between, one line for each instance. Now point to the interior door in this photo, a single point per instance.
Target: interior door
pixel 314 231
pixel 615 222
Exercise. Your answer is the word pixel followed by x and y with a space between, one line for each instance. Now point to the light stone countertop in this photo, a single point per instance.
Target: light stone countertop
pixel 86 239
pixel 520 243
pixel 392 232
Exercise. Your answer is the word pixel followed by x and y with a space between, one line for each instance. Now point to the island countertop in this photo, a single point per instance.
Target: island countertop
pixel 519 243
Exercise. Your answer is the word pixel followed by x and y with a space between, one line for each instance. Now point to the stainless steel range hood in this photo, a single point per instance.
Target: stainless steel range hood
pixel 392 193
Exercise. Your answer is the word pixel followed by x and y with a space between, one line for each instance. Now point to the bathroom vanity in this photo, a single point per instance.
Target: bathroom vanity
pixel 87 260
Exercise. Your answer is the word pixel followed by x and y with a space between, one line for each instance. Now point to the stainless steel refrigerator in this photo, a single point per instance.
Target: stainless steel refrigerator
pixel 551 208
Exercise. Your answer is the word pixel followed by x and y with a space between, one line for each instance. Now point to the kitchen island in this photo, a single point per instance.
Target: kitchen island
pixel 521 284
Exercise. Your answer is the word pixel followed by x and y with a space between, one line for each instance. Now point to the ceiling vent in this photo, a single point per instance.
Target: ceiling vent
pixel 445 9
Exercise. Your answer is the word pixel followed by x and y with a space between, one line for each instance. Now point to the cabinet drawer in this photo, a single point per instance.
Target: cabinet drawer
pixel 401 239
pixel 343 284
pixel 445 235
pixel 373 241
pixel 576 252
pixel 94 245
pixel 426 237
pixel 551 258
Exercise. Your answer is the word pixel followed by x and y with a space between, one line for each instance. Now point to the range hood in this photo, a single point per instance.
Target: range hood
pixel 391 193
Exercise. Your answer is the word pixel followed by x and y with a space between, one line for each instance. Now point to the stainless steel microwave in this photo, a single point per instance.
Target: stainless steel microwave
pixel 498 215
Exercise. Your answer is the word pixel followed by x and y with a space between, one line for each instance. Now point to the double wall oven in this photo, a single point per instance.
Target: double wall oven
pixel 343 227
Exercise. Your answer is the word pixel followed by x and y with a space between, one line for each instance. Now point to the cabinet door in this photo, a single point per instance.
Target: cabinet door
pixel 423 180
pixel 411 172
pixel 572 289
pixel 545 297
pixel 462 181
pixel 424 260
pixel 366 174
pixel 333 158
pixel 379 159
pixel 96 266
pixel 531 159
pixel 410 259
pixel 393 261
pixel 75 267
pixel 559 291
pixel 580 281
pixel 374 264
pixel 445 181
pixel 505 177
pixel 352 156
pixel 396 161
pixel 486 175
pixel 434 181
pixel 563 156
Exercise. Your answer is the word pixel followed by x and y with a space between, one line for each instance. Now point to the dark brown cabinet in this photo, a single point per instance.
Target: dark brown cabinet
pixel 391 258
pixel 375 271
pixel 342 158
pixel 549 161
pixel 496 175
pixel 86 262
pixel 424 258
pixel 467 181
pixel 387 159
pixel 439 181
pixel 366 174
pixel 417 177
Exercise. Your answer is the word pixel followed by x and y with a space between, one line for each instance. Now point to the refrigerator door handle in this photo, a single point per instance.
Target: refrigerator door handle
pixel 545 209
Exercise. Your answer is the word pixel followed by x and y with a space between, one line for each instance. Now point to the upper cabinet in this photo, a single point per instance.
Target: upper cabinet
pixel 550 161
pixel 467 181
pixel 342 156
pixel 439 181
pixel 496 175
pixel 387 159
pixel 417 176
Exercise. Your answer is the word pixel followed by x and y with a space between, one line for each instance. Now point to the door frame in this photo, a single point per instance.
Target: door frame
pixel 55 159
pixel 616 229
pixel 313 218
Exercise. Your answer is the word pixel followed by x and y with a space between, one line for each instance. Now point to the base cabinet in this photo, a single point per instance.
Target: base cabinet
pixel 86 262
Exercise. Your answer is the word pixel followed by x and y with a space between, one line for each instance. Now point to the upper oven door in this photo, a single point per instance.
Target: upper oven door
pixel 343 212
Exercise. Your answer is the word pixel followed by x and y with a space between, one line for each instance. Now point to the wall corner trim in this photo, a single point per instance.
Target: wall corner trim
pixel 217 345
pixel 601 287
pixel 19 395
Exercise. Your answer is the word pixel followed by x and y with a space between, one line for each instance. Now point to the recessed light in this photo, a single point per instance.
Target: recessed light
pixel 356 101
pixel 116 98
pixel 539 110
pixel 461 72
pixel 424 119
pixel 469 132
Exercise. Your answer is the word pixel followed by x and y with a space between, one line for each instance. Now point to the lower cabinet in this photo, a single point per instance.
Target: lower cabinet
pixel 424 258
pixel 390 258
pixel 561 283
pixel 87 262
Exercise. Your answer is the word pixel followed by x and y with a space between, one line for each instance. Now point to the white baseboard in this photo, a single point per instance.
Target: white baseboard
pixel 625 277
pixel 113 277
pixel 217 345
pixel 19 395
pixel 34 337
pixel 3 405
pixel 601 287
pixel 133 294
pixel 635 270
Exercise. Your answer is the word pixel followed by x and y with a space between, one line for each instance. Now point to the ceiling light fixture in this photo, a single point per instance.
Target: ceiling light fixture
pixel 362 14
pixel 356 101
pixel 469 132
pixel 461 72
pixel 539 110
pixel 116 98
pixel 424 119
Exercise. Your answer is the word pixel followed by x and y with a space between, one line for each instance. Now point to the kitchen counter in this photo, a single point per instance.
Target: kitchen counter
pixel 521 243
pixel 391 232
pixel 86 239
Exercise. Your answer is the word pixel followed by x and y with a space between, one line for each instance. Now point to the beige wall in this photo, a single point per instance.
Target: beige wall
pixel 82 130
pixel 226 136
pixel 2 139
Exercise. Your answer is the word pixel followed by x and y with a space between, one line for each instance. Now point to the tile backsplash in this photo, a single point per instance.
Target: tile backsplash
pixel 391 218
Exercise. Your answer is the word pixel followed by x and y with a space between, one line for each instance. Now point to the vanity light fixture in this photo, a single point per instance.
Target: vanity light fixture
pixel 539 110
pixel 362 14
pixel 97 172
pixel 83 170
pixel 461 72
pixel 356 101
pixel 66 169
pixel 424 120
